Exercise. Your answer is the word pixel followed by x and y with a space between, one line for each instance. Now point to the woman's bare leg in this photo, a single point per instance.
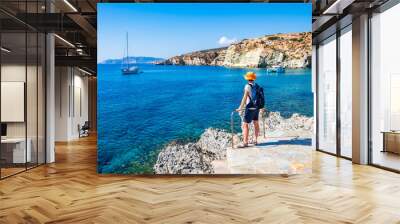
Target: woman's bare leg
pixel 245 130
pixel 256 130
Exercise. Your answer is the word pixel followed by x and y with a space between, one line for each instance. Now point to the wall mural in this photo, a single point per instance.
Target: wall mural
pixel 204 88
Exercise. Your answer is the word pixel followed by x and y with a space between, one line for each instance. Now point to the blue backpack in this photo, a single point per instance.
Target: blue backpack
pixel 257 99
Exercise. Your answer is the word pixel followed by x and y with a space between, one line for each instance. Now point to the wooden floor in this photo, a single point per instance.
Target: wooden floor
pixel 5 172
pixel 70 191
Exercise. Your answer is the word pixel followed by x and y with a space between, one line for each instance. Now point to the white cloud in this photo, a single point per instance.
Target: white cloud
pixel 226 41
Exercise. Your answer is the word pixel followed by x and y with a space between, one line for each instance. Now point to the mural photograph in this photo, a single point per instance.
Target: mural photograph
pixel 206 88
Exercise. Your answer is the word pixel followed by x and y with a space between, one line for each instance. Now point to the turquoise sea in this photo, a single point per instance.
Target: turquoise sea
pixel 138 114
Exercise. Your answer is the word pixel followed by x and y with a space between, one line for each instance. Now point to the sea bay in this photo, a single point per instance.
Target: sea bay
pixel 138 114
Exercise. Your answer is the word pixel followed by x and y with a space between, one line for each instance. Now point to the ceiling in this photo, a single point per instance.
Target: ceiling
pixel 331 15
pixel 73 21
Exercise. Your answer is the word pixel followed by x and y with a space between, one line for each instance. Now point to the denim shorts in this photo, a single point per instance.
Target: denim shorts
pixel 250 115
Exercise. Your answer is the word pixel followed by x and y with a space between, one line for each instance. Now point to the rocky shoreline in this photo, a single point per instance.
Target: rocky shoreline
pixel 291 50
pixel 196 158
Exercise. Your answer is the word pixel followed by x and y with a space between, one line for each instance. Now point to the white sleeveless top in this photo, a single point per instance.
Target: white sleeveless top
pixel 247 88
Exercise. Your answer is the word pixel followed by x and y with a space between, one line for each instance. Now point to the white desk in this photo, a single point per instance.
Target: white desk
pixel 18 155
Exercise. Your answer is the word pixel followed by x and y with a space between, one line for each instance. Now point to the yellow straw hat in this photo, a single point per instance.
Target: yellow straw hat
pixel 250 76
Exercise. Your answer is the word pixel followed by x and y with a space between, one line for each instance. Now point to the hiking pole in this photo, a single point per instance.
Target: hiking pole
pixel 232 114
pixel 232 122
pixel 264 117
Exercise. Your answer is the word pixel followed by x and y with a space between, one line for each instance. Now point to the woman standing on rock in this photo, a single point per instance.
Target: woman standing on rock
pixel 252 102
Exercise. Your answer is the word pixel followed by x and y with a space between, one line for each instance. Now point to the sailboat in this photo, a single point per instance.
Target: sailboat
pixel 127 68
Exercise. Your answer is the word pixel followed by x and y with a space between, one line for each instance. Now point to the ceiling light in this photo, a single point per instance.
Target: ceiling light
pixel 70 5
pixel 65 41
pixel 330 8
pixel 79 51
pixel 86 72
pixel 5 50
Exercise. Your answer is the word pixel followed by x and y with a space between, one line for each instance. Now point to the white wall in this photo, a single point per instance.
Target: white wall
pixel 80 111
pixel 9 73
pixel 33 127
pixel 71 92
pixel 17 73
pixel 62 82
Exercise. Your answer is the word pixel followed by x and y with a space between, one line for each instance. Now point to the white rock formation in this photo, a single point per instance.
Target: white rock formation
pixel 197 158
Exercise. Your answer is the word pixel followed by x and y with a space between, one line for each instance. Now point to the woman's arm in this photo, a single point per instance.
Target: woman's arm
pixel 243 102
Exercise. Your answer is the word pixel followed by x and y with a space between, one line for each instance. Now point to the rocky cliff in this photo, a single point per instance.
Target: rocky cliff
pixel 193 158
pixel 196 158
pixel 288 50
pixel 206 57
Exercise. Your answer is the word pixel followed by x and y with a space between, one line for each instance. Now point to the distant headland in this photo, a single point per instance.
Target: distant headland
pixel 139 59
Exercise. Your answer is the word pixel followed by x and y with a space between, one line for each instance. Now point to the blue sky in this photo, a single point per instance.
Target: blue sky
pixel 166 29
